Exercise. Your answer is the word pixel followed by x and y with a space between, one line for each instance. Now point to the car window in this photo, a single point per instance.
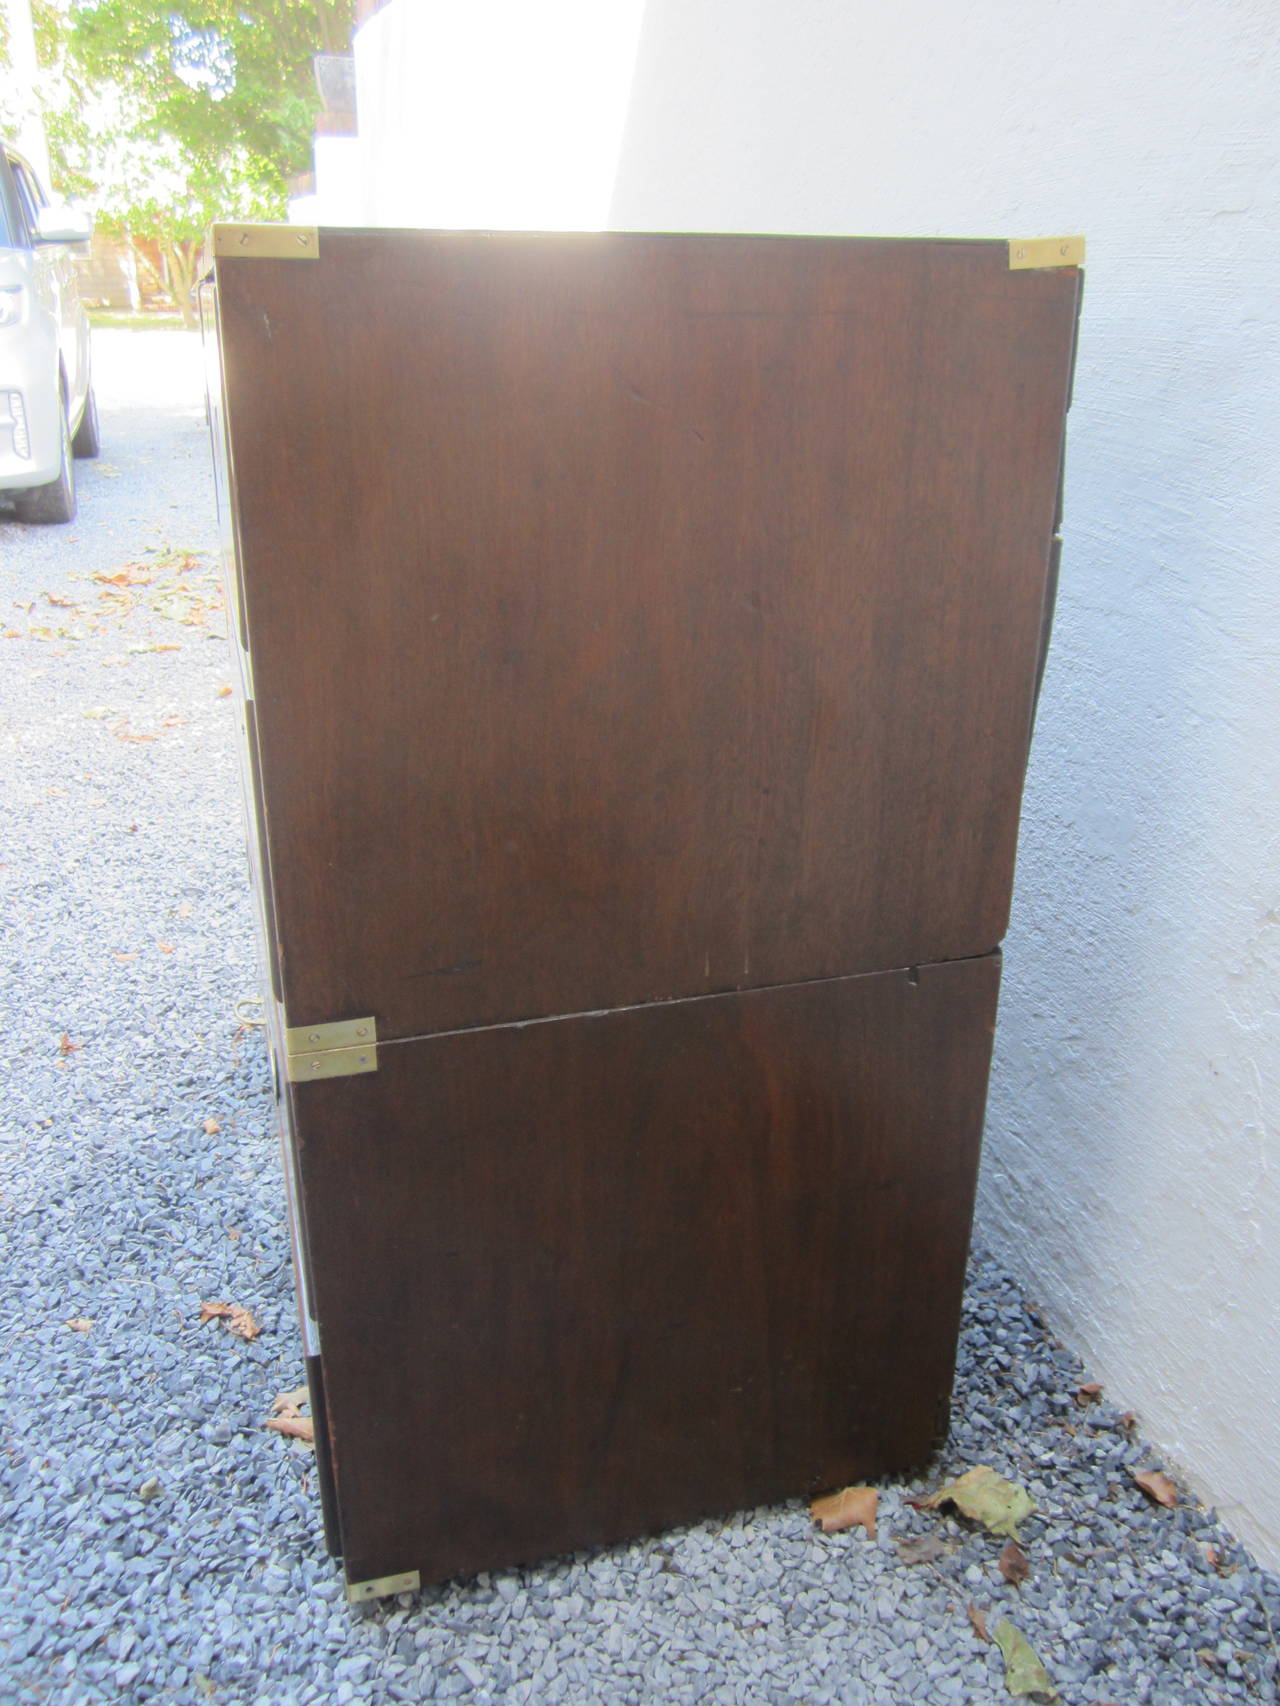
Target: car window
pixel 10 220
pixel 30 195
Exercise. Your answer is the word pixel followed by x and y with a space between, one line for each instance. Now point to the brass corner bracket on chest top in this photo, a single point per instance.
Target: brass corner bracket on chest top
pixel 1043 252
pixel 266 242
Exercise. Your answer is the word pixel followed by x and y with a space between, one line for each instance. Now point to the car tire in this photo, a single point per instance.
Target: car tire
pixel 56 501
pixel 88 440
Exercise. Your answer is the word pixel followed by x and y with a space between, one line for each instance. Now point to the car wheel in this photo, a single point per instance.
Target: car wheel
pixel 88 440
pixel 57 500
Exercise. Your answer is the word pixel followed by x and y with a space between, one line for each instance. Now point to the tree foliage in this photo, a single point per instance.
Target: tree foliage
pixel 168 118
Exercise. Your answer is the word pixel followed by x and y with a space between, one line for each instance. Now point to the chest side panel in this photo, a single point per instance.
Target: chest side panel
pixel 637 617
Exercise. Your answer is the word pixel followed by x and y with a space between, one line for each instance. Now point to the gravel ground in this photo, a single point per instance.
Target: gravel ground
pixel 159 1544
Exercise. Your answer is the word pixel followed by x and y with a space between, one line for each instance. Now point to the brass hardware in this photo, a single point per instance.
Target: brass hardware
pixel 409 1581
pixel 335 1050
pixel 1045 252
pixel 267 242
pixel 248 1021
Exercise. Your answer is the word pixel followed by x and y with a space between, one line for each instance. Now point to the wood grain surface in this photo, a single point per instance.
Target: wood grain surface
pixel 590 1277
pixel 636 617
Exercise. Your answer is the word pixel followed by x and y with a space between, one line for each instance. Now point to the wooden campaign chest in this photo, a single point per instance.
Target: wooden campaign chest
pixel 639 638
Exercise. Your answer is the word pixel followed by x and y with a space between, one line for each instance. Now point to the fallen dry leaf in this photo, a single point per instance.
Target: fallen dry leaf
pixel 211 1127
pixel 124 958
pixel 852 1507
pixel 165 947
pixel 1013 1564
pixel 295 1427
pixel 289 1403
pixel 149 1489
pixel 236 1319
pixel 223 693
pixel 1158 1487
pixel 132 574
pixel 80 1323
pixel 926 1549
pixel 1089 1393
pixel 1023 1672
pixel 56 598
pixel 234 1234
pixel 979 1621
pixel 1129 1421
pixel 122 733
pixel 66 1046
pixel 985 1497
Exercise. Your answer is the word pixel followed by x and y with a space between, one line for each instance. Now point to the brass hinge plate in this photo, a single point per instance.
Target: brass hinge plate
pixel 409 1581
pixel 1027 252
pixel 267 242
pixel 335 1050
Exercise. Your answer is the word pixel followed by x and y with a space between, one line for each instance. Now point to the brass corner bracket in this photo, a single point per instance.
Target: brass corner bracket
pixel 380 1587
pixel 1026 252
pixel 267 242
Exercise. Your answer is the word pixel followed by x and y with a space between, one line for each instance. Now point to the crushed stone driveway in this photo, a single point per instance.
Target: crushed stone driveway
pixel 159 1543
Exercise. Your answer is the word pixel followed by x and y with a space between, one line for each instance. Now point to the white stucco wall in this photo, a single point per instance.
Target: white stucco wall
pixel 1132 1175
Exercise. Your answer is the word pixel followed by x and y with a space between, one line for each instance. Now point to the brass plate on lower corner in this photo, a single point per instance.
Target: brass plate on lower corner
pixel 267 242
pixel 381 1587
pixel 1025 252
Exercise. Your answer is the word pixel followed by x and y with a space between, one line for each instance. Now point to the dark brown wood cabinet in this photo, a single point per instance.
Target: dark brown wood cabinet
pixel 639 637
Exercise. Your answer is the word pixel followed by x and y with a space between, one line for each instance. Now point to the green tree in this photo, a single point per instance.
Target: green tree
pixel 168 118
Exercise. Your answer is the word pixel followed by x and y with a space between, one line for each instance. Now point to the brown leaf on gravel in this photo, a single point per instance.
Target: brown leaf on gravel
pixel 234 1234
pixel 851 1507
pixel 132 574
pixel 1089 1393
pixel 294 1427
pixel 925 1549
pixel 80 1323
pixel 289 1403
pixel 1013 1564
pixel 165 947
pixel 121 732
pixel 211 1127
pixel 66 1046
pixel 223 693
pixel 979 1621
pixel 1158 1488
pixel 236 1319
pixel 1128 1421
pixel 63 603
pixel 125 958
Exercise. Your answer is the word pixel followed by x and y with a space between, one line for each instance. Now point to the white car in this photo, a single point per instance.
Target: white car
pixel 47 413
